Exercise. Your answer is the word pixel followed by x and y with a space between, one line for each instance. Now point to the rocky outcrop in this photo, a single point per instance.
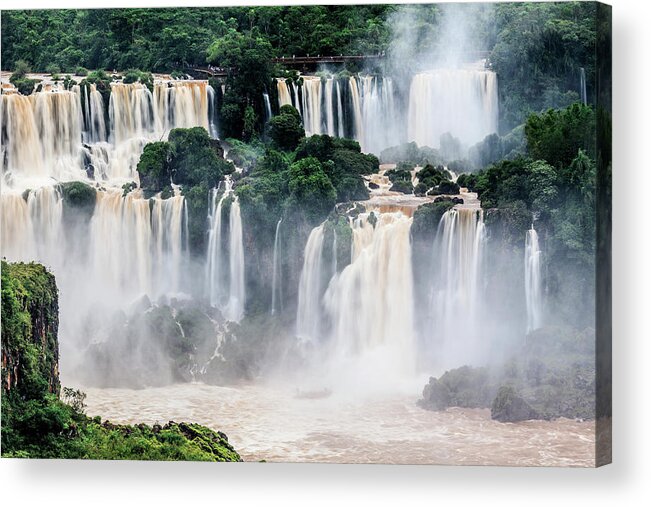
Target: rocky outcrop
pixel 509 406
pixel 551 376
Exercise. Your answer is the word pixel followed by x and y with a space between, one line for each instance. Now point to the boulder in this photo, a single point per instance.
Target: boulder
pixel 436 395
pixel 509 406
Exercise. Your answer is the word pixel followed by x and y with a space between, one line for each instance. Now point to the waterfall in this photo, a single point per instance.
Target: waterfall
pixel 378 115
pixel 310 287
pixel 237 296
pixel 127 247
pixel 32 226
pixel 330 118
pixel 311 105
pixel 356 108
pixel 214 274
pixel 267 107
pixel 583 91
pixel 456 282
pixel 371 303
pixel 533 280
pixel 230 302
pixel 284 97
pixel 462 102
pixel 146 248
pixel 340 113
pixel 41 135
pixel 212 113
pixel 277 276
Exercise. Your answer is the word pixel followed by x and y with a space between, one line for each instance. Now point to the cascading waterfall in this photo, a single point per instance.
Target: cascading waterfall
pixel 277 276
pixel 133 247
pixel 32 226
pixel 462 102
pixel 146 249
pixel 231 302
pixel 237 296
pixel 456 282
pixel 215 251
pixel 41 135
pixel 310 287
pixel 533 280
pixel 212 113
pixel 371 302
pixel 284 96
pixel 311 105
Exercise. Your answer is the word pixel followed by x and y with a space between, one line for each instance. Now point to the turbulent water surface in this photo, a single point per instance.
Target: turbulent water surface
pixel 279 423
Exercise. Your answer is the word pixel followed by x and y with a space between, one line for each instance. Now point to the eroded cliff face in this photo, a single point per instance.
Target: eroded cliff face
pixel 30 322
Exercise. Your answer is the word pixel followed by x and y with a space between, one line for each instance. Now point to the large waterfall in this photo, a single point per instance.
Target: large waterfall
pixel 463 102
pixel 371 303
pixel 226 290
pixel 533 280
pixel 121 246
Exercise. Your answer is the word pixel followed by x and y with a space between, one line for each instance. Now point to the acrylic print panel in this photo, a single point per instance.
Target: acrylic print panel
pixel 344 234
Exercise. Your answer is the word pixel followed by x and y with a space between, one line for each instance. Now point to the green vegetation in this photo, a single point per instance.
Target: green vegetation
pixel 557 188
pixel 79 195
pixel 189 158
pixel 38 423
pixel 310 189
pixel 19 78
pixel 537 50
pixel 137 76
pixel 286 128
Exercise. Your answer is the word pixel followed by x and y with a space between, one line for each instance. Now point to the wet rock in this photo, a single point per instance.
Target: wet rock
pixel 373 186
pixel 509 406
pixel 436 395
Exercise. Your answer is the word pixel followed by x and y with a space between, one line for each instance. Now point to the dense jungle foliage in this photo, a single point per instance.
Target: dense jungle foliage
pixel 536 49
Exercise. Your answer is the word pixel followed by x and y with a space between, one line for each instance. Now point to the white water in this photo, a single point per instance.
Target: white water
pixel 533 280
pixel 310 288
pixel 237 295
pixel 462 101
pixel 277 276
pixel 128 247
pixel 267 107
pixel 456 287
pixel 371 303
pixel 227 293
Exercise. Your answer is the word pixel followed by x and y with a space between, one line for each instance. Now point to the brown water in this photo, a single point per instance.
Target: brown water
pixel 274 424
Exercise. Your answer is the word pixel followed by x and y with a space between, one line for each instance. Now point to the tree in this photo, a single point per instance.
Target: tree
pixel 154 166
pixel 311 189
pixel 558 134
pixel 286 128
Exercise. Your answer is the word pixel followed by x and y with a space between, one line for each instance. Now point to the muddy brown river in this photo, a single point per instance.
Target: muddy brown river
pixel 279 423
